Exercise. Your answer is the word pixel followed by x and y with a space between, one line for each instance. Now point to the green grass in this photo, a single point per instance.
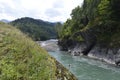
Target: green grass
pixel 21 58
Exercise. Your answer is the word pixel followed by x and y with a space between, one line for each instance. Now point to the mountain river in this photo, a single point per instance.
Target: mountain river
pixel 84 68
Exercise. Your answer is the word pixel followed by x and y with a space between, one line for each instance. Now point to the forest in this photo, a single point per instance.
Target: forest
pixel 35 28
pixel 95 22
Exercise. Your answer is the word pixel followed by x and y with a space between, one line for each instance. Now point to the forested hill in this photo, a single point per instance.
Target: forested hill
pixel 35 28
pixel 96 22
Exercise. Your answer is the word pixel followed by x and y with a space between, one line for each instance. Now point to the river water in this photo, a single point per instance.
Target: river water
pixel 84 68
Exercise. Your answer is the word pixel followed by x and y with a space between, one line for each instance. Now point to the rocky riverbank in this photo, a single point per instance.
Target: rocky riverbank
pixel 62 73
pixel 109 55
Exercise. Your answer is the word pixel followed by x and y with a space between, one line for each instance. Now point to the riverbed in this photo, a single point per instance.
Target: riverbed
pixel 84 68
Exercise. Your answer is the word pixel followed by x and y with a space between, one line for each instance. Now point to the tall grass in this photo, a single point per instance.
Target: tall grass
pixel 21 58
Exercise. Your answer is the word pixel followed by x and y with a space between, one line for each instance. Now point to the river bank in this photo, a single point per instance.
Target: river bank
pixel 83 67
pixel 62 73
pixel 109 55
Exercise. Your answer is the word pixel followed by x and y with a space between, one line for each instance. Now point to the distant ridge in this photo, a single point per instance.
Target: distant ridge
pixel 5 20
pixel 37 29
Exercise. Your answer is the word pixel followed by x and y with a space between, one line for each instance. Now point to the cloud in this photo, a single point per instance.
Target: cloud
pixel 58 4
pixel 51 10
pixel 52 13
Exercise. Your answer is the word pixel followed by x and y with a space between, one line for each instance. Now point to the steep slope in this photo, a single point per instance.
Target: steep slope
pixel 23 59
pixel 94 25
pixel 36 29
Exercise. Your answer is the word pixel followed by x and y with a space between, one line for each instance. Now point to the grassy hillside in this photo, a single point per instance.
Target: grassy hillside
pixel 23 59
pixel 36 29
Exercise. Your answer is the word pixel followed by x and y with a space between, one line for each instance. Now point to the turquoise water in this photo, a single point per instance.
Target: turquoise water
pixel 82 67
pixel 85 68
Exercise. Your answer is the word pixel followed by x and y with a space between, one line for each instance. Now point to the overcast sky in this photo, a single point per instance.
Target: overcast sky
pixel 49 10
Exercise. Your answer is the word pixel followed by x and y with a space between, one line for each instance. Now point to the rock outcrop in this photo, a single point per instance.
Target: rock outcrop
pixel 110 55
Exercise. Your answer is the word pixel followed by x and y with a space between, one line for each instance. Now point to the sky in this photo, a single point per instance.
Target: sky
pixel 48 10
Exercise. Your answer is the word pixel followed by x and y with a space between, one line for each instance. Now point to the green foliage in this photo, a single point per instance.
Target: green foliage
pixel 36 29
pixel 100 16
pixel 104 4
pixel 58 28
pixel 23 59
pixel 103 8
pixel 115 7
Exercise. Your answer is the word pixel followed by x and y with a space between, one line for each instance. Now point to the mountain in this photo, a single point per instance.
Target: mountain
pixel 4 20
pixel 35 28
pixel 23 59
